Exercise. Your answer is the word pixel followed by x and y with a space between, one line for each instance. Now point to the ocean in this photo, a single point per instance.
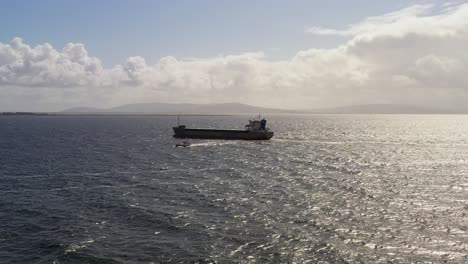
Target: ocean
pixel 325 189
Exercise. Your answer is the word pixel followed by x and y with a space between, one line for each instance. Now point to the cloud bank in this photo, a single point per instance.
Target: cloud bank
pixel 416 55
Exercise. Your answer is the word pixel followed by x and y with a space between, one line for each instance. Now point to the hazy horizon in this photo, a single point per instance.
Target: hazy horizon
pixel 294 55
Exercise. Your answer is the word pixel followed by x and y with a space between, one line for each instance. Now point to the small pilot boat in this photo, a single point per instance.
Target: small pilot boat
pixel 183 144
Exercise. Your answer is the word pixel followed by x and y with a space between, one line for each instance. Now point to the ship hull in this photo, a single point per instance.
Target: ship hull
pixel 180 132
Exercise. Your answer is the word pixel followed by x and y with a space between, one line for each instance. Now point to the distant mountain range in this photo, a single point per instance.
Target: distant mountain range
pixel 237 108
pixel 165 108
pixel 384 109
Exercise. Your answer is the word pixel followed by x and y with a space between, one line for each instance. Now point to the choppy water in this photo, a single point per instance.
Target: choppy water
pixel 335 189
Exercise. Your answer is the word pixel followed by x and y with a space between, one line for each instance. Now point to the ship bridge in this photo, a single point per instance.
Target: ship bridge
pixel 256 125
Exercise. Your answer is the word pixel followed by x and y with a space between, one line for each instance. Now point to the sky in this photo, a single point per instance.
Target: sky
pixel 287 54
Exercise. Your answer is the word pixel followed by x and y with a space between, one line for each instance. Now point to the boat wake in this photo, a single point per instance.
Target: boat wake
pixel 209 144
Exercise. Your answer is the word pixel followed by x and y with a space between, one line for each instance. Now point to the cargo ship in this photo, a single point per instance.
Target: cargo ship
pixel 255 130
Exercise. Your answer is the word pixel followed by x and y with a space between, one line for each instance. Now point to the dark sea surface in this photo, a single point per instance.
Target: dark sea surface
pixel 325 189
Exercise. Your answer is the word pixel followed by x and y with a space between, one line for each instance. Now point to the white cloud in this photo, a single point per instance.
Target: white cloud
pixel 43 66
pixel 414 19
pixel 330 31
pixel 416 55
